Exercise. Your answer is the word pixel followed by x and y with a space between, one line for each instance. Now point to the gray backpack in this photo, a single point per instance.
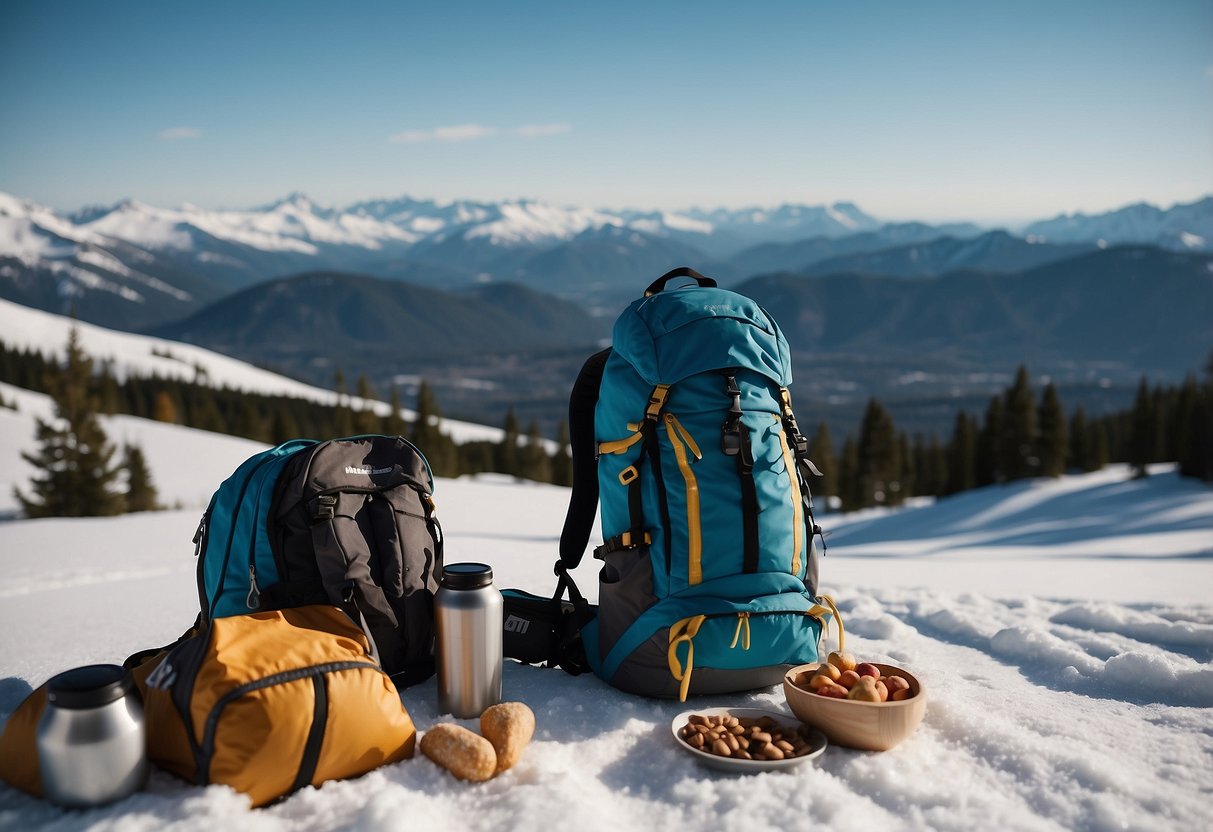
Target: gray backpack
pixel 348 522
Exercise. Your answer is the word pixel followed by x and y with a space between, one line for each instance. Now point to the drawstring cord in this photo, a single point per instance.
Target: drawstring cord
pixel 683 632
pixel 743 620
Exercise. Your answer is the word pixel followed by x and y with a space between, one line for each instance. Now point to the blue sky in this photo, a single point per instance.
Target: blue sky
pixel 937 110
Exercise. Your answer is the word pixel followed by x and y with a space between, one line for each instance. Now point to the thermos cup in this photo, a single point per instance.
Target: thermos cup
pixel 91 737
pixel 467 612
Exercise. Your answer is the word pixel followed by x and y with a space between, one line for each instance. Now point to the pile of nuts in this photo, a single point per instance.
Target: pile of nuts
pixel 743 738
pixel 844 678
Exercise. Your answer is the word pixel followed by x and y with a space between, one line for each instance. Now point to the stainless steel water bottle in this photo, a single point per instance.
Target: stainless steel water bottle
pixel 91 747
pixel 467 612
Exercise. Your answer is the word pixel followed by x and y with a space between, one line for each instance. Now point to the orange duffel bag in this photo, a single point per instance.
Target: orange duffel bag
pixel 266 703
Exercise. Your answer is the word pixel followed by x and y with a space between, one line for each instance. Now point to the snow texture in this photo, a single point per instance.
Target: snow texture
pixel 1068 672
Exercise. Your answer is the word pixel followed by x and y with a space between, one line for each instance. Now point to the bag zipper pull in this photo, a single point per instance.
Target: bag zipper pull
pixel 198 535
pixel 254 595
pixel 730 431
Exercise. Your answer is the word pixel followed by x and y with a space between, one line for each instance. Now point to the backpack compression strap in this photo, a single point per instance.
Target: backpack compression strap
pixel 583 502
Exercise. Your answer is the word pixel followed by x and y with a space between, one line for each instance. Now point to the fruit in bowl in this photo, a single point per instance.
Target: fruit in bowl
pixel 870 705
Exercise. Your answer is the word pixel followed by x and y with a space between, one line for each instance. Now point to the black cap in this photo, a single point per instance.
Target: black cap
pixel 467 575
pixel 90 686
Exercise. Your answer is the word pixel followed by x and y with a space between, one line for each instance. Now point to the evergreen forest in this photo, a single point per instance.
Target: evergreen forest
pixel 1022 433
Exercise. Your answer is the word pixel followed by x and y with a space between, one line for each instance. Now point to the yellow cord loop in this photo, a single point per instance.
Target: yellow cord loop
pixel 842 637
pixel 683 632
pixel 743 622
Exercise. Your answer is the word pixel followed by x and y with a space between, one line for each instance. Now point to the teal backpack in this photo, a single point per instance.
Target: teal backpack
pixel 684 431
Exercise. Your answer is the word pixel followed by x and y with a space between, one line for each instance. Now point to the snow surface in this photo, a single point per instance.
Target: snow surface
pixel 1069 671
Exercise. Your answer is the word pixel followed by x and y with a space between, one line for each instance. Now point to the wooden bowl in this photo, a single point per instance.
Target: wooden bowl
pixel 872 726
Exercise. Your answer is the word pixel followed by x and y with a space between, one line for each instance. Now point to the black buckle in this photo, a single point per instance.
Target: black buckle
pixel 630 539
pixel 730 439
pixel 326 507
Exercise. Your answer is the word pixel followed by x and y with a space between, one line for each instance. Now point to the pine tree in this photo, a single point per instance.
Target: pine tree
pixel 1017 448
pixel 393 423
pixel 426 433
pixel 1195 411
pixel 562 462
pixel 141 494
pixel 907 479
pixel 283 426
pixel 425 429
pixel 988 468
pixel 204 411
pixel 1053 441
pixel 250 422
pixel 507 460
pixel 848 476
pixel 1082 442
pixel 533 457
pixel 74 459
pixel 1101 453
pixel 935 479
pixel 1142 430
pixel 366 420
pixel 109 392
pixel 962 455
pixel 879 458
pixel 821 451
pixel 1203 435
pixel 164 409
pixel 343 416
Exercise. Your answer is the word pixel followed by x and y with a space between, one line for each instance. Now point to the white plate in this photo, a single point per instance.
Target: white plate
pixel 817 741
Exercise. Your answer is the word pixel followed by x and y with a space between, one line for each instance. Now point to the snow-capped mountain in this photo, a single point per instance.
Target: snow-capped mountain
pixel 49 262
pixel 994 251
pixel 1187 227
pixel 239 248
pixel 785 223
pixel 133 264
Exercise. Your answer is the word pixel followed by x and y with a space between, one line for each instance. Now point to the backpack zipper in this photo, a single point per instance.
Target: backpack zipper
pixel 681 440
pixel 231 535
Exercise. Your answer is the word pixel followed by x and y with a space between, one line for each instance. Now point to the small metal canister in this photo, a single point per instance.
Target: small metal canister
pixel 91 741
pixel 467 612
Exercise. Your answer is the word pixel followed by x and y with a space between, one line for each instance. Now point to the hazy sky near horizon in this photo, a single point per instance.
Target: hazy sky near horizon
pixel 995 112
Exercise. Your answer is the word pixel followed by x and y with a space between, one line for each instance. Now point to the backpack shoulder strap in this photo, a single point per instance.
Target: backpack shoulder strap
pixel 583 502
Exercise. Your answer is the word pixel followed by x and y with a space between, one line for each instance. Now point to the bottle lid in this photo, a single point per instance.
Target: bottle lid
pixel 467 575
pixel 90 686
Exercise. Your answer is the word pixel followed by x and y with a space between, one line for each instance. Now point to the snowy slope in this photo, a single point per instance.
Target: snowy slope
pixel 1060 699
pixel 142 355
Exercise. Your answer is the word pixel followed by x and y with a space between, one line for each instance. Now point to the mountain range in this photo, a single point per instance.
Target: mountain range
pixel 499 303
pixel 1136 306
pixel 135 265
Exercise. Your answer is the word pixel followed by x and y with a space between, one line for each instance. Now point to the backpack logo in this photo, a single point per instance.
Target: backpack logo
pixel 514 624
pixel 370 472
